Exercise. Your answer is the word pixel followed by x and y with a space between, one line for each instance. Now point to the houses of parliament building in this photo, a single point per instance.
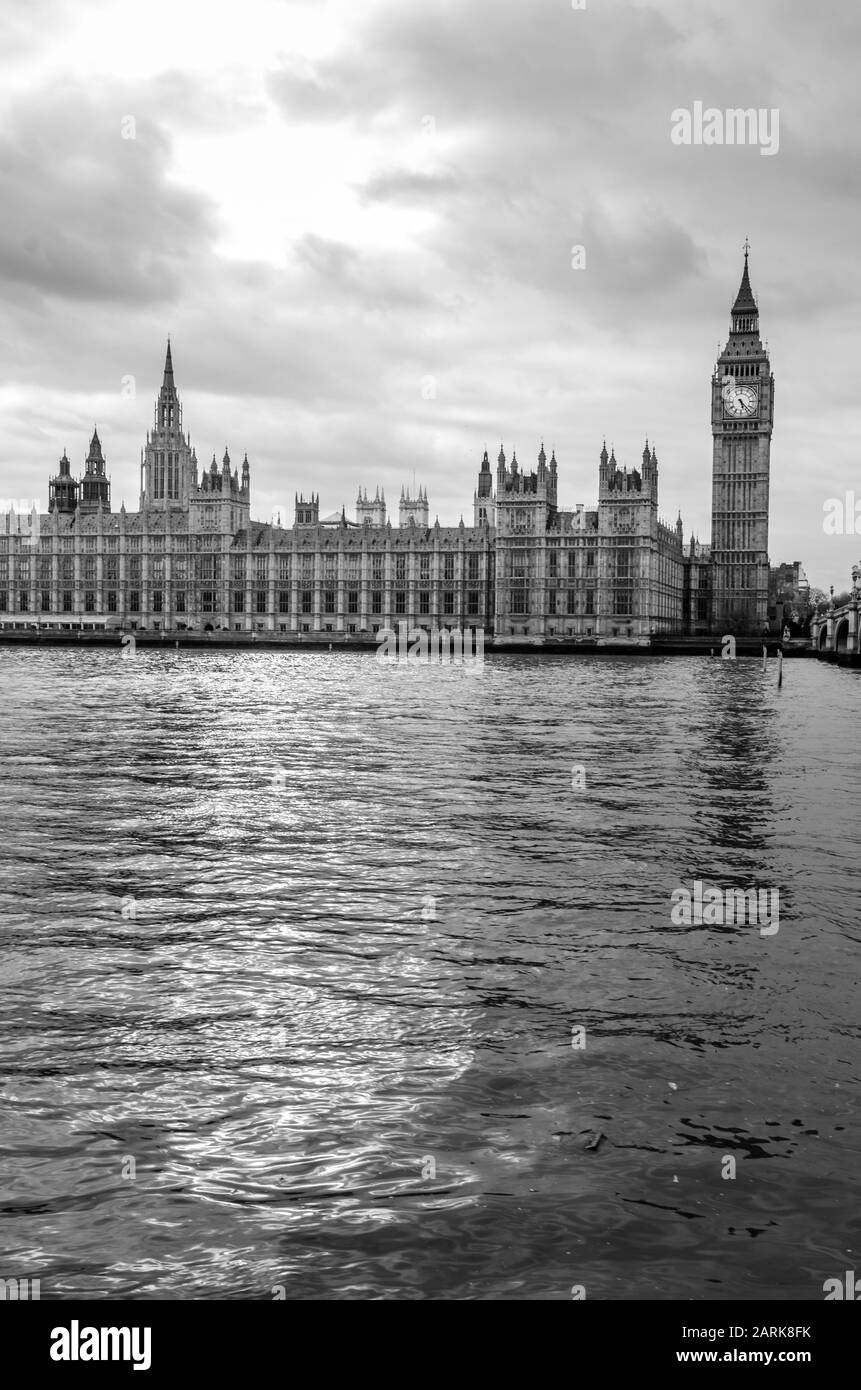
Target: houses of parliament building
pixel 191 558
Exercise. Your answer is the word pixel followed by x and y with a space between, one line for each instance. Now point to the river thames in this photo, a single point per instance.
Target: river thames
pixel 319 977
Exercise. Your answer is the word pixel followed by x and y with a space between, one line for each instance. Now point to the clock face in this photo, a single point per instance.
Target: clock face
pixel 739 400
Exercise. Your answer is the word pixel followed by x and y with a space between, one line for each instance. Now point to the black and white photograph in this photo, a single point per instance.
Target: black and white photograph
pixel 430 670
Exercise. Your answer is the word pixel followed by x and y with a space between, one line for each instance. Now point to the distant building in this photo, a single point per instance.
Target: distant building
pixel 789 598
pixel 192 557
pixel 788 576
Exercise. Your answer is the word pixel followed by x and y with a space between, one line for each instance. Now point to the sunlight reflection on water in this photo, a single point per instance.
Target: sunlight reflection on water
pixel 219 960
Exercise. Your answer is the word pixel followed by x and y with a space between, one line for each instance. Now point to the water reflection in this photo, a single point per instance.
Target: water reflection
pixel 322 1086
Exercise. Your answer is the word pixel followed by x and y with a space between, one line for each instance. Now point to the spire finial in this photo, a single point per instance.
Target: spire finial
pixel 746 247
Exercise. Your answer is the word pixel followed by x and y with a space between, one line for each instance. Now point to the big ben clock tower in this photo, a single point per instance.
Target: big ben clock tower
pixel 742 420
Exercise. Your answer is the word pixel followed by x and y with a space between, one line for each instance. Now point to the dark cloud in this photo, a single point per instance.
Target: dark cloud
pixel 88 214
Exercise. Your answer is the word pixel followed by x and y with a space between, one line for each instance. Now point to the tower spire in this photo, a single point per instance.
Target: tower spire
pixel 167 409
pixel 95 484
pixel 744 300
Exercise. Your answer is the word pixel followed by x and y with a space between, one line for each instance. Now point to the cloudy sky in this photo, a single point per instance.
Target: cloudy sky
pixel 356 223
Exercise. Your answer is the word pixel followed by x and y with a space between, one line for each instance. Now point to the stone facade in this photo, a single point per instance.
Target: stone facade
pixel 192 557
pixel 615 572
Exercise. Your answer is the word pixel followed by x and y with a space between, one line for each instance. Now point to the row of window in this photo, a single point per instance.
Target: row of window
pixel 520 602
pixel 622 603
pixel 400 597
pixel 209 600
pixel 207 567
pixel 89 544
pixel 520 559
pixel 738 369
pixel 523 562
pixel 553 561
pixel 110 568
pixel 736 577
pixel 90 606
pixel 239 567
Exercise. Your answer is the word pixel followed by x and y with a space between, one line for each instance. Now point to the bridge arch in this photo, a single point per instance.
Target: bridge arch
pixel 841 635
pixel 823 637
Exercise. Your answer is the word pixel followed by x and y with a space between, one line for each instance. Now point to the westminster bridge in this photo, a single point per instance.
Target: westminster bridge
pixel 835 632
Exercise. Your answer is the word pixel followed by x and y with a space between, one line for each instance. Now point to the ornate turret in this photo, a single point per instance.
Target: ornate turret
pixel 307 513
pixel 500 469
pixel 483 508
pixel 413 509
pixel 63 489
pixel 374 511
pixel 95 485
pixel 169 468
pixel 485 477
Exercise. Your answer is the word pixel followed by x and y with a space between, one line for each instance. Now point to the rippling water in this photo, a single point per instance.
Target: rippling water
pixel 301 941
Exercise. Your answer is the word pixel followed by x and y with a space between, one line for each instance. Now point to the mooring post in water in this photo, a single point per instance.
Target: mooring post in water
pixel 779 669
pixel 764 657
